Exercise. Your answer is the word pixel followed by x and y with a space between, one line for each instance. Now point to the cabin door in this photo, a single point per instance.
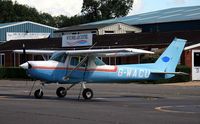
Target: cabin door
pixel 78 74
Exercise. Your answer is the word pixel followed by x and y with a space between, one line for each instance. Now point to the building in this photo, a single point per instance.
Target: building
pixel 9 59
pixel 180 19
pixel 148 41
pixel 98 29
pixel 192 59
pixel 173 19
pixel 24 30
pixel 168 24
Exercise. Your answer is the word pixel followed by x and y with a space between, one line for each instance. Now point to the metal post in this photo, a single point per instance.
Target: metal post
pixel 14 59
pixel 24 54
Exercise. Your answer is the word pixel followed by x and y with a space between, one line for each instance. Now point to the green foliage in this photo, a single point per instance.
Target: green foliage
pixel 176 78
pixel 115 8
pixel 12 73
pixel 14 12
pixel 92 10
pixel 151 58
pixel 95 10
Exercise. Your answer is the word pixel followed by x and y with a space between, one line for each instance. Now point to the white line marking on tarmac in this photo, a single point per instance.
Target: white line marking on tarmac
pixel 170 109
pixel 100 98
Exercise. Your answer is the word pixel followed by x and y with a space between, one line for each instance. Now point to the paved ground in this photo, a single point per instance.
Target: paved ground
pixel 112 104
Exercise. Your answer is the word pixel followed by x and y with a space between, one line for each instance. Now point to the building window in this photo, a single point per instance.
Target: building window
pixel 197 59
pixel 109 32
pixel 154 49
pixel 2 59
pixel 93 32
pixel 75 32
pixel 75 60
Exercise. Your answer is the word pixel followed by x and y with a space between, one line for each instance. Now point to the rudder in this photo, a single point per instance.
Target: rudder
pixel 169 59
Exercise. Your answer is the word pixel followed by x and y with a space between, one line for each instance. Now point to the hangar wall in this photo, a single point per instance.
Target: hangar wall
pixel 24 27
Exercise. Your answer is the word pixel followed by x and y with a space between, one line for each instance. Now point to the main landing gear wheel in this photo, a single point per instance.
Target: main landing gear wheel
pixel 87 93
pixel 38 94
pixel 61 92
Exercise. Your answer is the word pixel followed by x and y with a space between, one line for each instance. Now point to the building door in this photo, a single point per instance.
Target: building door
pixel 196 65
pixel 2 59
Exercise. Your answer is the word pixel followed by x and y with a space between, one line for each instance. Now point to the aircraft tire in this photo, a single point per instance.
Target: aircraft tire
pixel 38 94
pixel 87 94
pixel 61 92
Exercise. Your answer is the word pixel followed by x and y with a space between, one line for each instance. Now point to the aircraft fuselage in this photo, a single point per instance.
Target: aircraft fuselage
pixel 53 72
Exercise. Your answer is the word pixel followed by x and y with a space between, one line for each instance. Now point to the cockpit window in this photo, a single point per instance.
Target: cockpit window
pixel 75 60
pixel 59 57
pixel 98 61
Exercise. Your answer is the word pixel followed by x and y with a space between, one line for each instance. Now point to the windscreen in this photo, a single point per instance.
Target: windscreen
pixel 98 62
pixel 59 57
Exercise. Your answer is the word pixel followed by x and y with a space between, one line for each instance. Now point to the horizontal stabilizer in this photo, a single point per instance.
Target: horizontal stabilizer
pixel 176 73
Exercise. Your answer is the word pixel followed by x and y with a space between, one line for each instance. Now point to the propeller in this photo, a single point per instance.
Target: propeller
pixel 26 64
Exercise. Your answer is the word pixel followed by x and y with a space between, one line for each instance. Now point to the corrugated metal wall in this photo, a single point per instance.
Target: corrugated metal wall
pixel 25 27
pixel 171 26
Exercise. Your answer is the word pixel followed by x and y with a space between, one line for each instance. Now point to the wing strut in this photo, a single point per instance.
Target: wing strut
pixel 79 64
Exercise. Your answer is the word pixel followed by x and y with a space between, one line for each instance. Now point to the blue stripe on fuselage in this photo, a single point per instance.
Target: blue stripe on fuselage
pixel 124 73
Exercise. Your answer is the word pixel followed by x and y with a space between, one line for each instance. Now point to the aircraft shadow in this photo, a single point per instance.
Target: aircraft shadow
pixel 15 96
pixel 71 98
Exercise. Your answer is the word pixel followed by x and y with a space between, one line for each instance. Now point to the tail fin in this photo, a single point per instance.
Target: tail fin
pixel 168 61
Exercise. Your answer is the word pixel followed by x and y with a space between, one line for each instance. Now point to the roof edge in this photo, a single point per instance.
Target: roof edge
pixel 192 46
pixel 23 22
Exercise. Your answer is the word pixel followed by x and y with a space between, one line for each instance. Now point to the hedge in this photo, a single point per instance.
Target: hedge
pixel 175 79
pixel 12 73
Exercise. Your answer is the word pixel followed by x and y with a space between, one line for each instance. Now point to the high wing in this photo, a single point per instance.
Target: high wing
pixel 93 52
pixel 37 52
pixel 109 52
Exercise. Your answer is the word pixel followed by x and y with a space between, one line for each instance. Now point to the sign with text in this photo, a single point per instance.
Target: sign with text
pixel 22 35
pixel 74 40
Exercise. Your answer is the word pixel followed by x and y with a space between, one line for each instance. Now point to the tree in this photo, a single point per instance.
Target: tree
pixel 115 8
pixel 105 9
pixel 6 11
pixel 47 19
pixel 90 10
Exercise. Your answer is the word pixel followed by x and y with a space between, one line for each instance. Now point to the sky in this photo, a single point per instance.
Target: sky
pixel 73 7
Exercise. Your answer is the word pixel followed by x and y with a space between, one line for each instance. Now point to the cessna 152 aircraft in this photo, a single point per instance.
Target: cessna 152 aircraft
pixel 84 66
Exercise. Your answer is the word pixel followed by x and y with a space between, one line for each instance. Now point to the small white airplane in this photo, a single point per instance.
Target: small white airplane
pixel 84 66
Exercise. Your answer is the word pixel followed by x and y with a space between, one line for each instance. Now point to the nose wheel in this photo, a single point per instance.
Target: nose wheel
pixel 87 93
pixel 38 94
